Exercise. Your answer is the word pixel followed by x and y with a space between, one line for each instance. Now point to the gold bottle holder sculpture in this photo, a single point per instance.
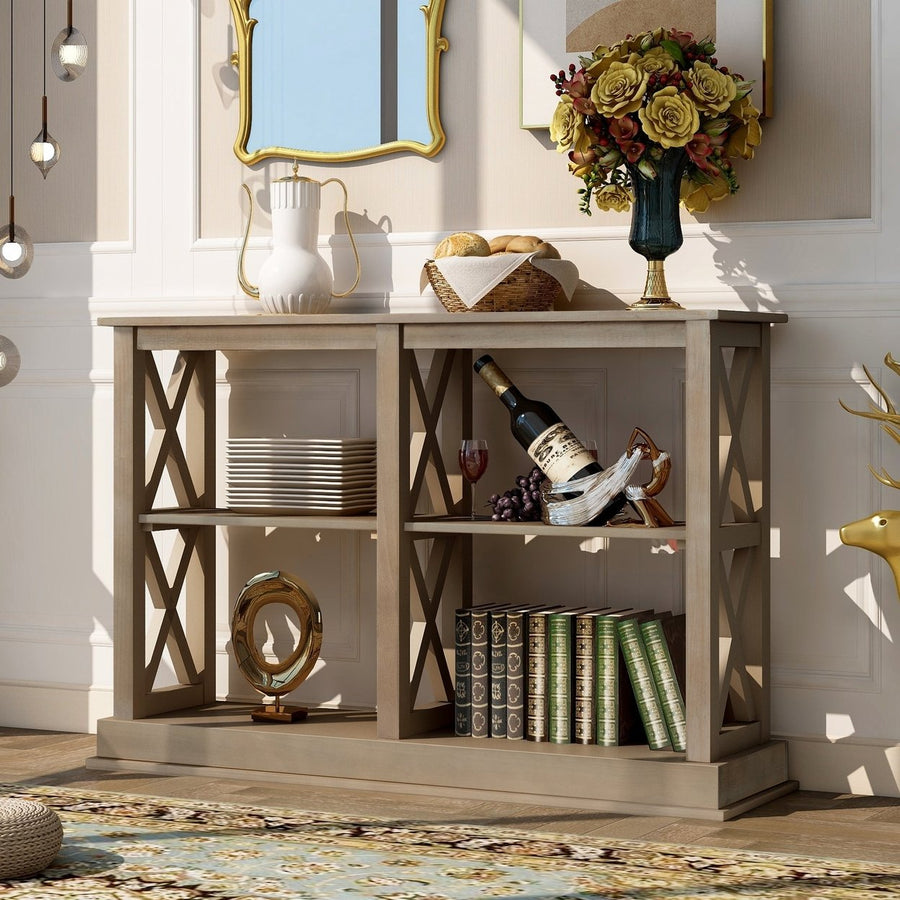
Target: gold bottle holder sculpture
pixel 581 500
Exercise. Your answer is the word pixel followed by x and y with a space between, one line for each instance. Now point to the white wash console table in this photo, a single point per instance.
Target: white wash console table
pixel 181 728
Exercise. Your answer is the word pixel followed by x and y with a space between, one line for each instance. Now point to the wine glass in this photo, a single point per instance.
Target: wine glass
pixel 473 460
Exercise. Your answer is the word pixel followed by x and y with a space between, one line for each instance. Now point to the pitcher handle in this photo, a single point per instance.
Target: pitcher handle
pixel 352 239
pixel 249 289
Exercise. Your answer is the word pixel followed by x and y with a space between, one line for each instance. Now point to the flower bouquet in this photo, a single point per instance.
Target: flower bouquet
pixel 649 121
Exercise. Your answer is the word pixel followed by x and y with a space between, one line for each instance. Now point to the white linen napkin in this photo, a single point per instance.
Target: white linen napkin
pixel 471 277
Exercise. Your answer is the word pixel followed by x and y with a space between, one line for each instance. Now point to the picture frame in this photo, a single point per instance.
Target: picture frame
pixel 743 43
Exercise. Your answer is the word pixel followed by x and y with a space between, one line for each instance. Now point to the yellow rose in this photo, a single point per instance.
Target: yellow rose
pixel 613 197
pixel 744 140
pixel 670 118
pixel 713 91
pixel 697 197
pixel 619 90
pixel 746 137
pixel 604 58
pixel 655 62
pixel 743 109
pixel 647 39
pixel 565 124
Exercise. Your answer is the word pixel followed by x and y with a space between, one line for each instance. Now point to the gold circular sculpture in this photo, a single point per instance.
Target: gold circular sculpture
pixel 282 676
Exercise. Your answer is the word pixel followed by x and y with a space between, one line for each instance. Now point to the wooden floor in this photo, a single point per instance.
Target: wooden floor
pixel 806 823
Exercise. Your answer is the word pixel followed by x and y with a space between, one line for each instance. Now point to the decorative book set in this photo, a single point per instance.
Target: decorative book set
pixel 586 676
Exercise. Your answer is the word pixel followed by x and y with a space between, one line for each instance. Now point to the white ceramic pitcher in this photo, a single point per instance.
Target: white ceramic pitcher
pixel 295 278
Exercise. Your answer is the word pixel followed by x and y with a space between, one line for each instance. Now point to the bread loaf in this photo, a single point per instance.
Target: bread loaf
pixel 462 243
pixel 523 243
pixel 545 251
pixel 499 243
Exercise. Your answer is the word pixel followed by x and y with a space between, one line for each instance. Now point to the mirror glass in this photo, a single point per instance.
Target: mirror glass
pixel 346 79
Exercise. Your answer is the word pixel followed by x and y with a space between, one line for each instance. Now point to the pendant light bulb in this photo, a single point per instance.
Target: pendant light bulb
pixel 69 54
pixel 16 247
pixel 45 148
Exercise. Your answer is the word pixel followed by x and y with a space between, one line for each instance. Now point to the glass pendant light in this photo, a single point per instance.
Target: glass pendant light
pixel 70 51
pixel 16 248
pixel 44 148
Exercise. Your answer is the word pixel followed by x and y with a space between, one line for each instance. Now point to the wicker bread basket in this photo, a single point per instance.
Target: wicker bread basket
pixel 526 289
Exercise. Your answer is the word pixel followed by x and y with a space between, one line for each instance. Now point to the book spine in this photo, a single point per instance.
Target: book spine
pixel 666 683
pixel 462 696
pixel 536 711
pixel 606 694
pixel 639 672
pixel 583 721
pixel 498 674
pixel 481 674
pixel 515 676
pixel 559 679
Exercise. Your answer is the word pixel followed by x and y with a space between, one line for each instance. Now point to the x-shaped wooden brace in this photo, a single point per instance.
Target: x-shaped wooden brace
pixel 734 677
pixel 430 399
pixel 430 587
pixel 734 478
pixel 165 587
pixel 165 451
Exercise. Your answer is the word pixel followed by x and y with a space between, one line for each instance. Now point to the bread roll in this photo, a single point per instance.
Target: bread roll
pixel 499 243
pixel 545 251
pixel 462 243
pixel 523 243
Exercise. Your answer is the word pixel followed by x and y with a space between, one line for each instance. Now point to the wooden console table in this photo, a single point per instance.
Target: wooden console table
pixel 725 770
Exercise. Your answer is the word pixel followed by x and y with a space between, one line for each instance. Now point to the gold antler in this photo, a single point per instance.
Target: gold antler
pixel 888 418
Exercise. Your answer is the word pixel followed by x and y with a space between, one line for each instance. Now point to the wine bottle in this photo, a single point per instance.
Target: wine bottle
pixel 552 445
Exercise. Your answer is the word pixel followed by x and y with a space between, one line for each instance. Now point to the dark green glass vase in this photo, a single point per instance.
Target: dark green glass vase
pixel 655 224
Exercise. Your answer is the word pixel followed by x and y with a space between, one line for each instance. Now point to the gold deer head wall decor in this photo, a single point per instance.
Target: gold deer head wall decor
pixel 880 532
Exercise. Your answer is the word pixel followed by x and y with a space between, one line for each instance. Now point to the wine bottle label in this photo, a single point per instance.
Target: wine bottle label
pixel 558 453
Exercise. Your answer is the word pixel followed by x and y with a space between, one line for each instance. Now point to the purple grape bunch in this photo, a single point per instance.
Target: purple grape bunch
pixel 521 503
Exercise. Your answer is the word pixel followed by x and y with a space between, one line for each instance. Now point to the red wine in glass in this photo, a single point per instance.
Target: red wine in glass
pixel 473 460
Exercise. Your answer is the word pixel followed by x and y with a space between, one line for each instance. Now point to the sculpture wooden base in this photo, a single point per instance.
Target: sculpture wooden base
pixel 273 713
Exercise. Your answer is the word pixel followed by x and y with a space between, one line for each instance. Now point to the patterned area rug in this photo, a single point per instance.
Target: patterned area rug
pixel 119 847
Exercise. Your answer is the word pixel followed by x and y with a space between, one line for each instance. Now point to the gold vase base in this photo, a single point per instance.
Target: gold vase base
pixel 655 303
pixel 656 293
pixel 278 713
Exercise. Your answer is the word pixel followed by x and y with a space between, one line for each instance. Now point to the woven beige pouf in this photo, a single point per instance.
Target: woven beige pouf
pixel 30 837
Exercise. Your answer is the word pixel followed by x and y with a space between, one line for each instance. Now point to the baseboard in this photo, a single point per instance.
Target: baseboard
pixel 57 707
pixel 869 767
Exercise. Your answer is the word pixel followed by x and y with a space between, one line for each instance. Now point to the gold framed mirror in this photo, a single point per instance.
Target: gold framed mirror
pixel 337 81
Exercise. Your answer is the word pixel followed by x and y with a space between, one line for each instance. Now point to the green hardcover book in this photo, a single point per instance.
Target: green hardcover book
pixel 638 666
pixel 462 697
pixel 617 721
pixel 659 639
pixel 560 674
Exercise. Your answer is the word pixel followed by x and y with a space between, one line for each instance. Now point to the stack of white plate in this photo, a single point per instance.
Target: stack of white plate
pixel 329 476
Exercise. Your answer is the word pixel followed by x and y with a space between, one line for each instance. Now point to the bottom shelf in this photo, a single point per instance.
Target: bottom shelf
pixel 222 740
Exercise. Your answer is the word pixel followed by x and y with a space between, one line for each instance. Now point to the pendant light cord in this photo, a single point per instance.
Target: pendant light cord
pixel 11 116
pixel 44 98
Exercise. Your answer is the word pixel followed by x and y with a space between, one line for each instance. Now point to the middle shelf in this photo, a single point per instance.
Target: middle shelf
pixel 732 535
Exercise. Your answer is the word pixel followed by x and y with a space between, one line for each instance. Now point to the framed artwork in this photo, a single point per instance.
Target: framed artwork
pixel 554 32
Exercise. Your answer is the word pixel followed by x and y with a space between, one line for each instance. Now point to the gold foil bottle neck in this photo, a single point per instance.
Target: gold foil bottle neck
pixel 495 378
